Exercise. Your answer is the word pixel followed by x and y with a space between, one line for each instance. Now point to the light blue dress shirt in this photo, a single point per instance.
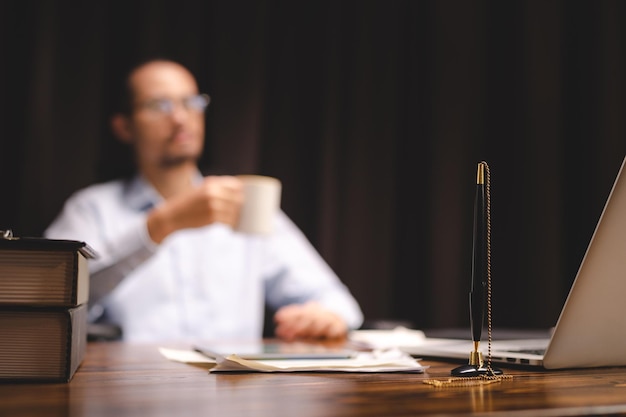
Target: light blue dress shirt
pixel 205 283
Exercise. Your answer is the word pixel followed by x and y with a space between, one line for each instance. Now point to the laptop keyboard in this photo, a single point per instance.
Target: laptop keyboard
pixel 539 351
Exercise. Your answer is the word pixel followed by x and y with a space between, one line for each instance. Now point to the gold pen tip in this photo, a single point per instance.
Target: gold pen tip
pixel 480 174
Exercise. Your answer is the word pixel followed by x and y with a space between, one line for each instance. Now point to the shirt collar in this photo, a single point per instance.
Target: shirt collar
pixel 140 195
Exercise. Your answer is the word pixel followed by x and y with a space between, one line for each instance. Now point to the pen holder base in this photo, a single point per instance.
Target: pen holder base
pixel 474 370
pixel 475 367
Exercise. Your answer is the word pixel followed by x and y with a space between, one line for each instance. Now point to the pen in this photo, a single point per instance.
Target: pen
pixel 480 292
pixel 479 260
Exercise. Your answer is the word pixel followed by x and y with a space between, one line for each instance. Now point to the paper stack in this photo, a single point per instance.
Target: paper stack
pixel 388 360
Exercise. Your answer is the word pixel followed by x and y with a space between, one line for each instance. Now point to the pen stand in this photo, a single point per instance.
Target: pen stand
pixel 481 278
pixel 475 367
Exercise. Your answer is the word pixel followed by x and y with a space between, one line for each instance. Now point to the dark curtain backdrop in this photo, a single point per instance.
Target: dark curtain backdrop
pixel 373 113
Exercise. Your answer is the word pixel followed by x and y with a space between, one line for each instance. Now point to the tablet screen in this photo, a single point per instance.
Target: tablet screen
pixel 274 350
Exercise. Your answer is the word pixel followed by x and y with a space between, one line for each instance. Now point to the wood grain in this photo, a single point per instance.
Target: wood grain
pixel 118 379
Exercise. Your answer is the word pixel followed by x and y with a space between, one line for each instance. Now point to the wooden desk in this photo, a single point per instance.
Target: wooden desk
pixel 119 380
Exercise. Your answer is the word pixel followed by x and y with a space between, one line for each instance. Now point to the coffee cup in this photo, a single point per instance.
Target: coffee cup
pixel 262 196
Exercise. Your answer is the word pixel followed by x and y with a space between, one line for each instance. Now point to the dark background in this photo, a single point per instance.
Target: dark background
pixel 373 113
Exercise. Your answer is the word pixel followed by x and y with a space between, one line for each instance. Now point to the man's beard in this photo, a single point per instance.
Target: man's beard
pixel 178 160
pixel 176 156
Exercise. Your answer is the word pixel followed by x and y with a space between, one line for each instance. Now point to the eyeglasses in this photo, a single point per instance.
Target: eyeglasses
pixel 166 106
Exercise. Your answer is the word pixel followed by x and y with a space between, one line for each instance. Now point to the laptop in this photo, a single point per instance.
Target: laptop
pixel 591 329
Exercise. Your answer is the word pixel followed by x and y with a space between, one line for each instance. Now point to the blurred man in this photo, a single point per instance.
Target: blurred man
pixel 171 266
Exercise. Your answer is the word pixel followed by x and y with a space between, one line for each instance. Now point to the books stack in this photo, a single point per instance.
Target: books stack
pixel 44 289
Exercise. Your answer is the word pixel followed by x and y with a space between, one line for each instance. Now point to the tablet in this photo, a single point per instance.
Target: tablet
pixel 260 350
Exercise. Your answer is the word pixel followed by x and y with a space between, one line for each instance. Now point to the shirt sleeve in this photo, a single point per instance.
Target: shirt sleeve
pixel 297 273
pixel 121 244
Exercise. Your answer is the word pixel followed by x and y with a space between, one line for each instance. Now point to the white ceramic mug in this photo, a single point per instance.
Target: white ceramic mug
pixel 261 203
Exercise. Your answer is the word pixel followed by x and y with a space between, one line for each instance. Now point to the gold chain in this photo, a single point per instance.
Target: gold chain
pixel 490 376
pixel 488 191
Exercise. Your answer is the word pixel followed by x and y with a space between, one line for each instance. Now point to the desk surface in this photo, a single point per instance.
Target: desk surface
pixel 118 379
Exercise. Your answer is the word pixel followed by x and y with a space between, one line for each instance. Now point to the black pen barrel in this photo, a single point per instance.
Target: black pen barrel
pixel 477 294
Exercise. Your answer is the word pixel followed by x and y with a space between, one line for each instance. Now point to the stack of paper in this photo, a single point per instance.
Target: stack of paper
pixel 391 360
pixel 386 339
